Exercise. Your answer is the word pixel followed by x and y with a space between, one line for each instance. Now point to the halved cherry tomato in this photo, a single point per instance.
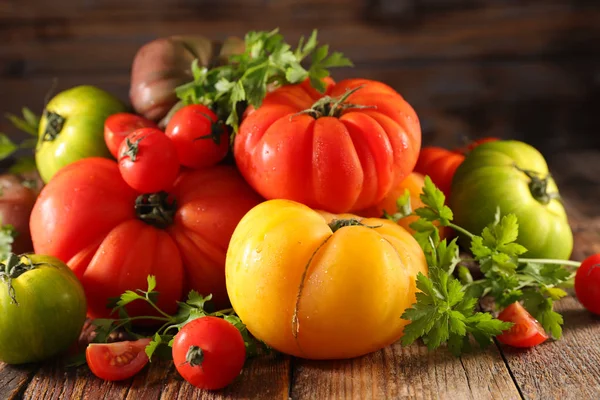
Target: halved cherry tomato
pixel 440 164
pixel 209 352
pixel 526 331
pixel 148 161
pixel 200 141
pixel 587 283
pixel 117 361
pixel 118 126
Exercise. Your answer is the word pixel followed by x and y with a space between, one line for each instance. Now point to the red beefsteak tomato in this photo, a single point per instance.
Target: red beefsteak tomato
pixel 339 152
pixel 113 237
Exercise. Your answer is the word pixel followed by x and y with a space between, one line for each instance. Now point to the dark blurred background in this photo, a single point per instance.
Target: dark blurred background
pixel 528 70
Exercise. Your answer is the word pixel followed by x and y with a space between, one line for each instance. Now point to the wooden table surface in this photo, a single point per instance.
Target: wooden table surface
pixel 509 69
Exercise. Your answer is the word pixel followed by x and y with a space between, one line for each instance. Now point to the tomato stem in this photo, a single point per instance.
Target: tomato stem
pixel 132 149
pixel 156 209
pixel 538 186
pixel 54 125
pixel 14 268
pixel 328 106
pixel 340 223
pixel 194 356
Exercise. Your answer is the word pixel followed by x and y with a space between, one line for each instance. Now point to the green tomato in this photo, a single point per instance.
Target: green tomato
pixel 42 308
pixel 513 177
pixel 72 127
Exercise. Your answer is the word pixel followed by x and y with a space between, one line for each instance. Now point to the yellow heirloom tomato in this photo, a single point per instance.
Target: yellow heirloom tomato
pixel 321 286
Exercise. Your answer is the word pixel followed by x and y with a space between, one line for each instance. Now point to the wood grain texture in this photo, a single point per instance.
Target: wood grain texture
pixel 14 380
pixel 265 377
pixel 524 70
pixel 412 372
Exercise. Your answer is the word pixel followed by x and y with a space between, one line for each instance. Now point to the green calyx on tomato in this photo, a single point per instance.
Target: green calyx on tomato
pixel 328 106
pixel 512 177
pixel 72 127
pixel 42 309
pixel 156 209
pixel 194 356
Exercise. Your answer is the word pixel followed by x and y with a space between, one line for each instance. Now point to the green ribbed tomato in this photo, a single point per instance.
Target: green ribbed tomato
pixel 512 176
pixel 72 127
pixel 42 308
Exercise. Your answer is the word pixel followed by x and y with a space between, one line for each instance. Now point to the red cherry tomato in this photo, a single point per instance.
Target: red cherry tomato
pixel 526 331
pixel 118 126
pixel 587 283
pixel 148 161
pixel 117 361
pixel 440 164
pixel 200 141
pixel 209 352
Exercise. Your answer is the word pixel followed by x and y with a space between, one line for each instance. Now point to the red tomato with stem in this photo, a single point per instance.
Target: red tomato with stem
pixel 113 237
pixel 118 126
pixel 148 161
pixel 209 352
pixel 587 283
pixel 199 139
pixel 526 331
pixel 339 152
pixel 440 164
pixel 117 361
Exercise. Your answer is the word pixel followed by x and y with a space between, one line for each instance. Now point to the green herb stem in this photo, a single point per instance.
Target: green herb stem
pixel 461 230
pixel 550 261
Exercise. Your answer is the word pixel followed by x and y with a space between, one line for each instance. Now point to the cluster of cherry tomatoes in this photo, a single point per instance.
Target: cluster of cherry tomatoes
pixel 150 159
pixel 208 352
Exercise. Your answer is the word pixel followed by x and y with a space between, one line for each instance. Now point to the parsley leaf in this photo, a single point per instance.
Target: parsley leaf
pixel 266 61
pixel 403 208
pixel 443 313
pixel 435 208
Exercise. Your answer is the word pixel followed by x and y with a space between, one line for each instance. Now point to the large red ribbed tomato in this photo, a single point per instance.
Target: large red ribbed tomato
pixel 113 238
pixel 340 152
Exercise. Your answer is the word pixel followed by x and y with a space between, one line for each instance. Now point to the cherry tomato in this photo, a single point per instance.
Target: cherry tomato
pixel 526 331
pixel 118 126
pixel 209 352
pixel 200 141
pixel 117 361
pixel 440 164
pixel 587 283
pixel 148 161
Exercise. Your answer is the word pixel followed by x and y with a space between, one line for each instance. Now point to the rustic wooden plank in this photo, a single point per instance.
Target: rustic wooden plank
pixel 14 379
pixel 103 39
pixel 565 369
pixel 265 377
pixel 412 372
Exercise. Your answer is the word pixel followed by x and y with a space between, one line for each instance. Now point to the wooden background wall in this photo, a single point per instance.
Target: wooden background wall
pixel 519 69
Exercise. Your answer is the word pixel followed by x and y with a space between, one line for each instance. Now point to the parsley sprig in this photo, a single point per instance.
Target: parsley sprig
pixel 445 308
pixel 268 61
pixel 194 307
pixel 29 124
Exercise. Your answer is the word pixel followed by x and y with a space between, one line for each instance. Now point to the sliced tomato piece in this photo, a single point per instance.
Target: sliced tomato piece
pixel 526 331
pixel 117 361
